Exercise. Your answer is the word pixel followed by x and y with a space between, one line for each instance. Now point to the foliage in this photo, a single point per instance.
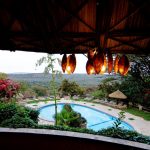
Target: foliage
pixel 3 76
pixel 8 88
pixel 99 94
pixel 119 120
pixel 40 90
pixel 68 117
pixel 140 68
pixel 49 68
pixel 110 132
pixel 24 86
pixel 9 110
pixel 29 93
pixel 14 116
pixel 137 112
pixel 134 90
pixel 70 88
pixel 18 122
pixel 124 134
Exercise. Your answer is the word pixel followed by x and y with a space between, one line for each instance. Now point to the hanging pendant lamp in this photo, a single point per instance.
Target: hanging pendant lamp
pixel 103 69
pixel 123 65
pixel 110 62
pixel 71 64
pixel 98 62
pixel 116 64
pixel 64 63
pixel 90 67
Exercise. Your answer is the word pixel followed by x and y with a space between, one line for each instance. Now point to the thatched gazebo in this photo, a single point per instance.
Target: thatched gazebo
pixel 118 95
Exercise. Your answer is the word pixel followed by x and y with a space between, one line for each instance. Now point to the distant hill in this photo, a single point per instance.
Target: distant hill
pixel 42 79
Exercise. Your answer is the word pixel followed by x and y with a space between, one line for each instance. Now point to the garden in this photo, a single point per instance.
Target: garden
pixel 15 114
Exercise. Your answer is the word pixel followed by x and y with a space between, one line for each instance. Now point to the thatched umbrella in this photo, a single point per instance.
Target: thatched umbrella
pixel 118 95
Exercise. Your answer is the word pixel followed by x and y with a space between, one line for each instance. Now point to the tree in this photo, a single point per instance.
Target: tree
pixel 140 67
pixel 49 68
pixel 70 88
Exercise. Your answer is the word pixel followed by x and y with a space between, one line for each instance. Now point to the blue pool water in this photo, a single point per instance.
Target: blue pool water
pixel 96 119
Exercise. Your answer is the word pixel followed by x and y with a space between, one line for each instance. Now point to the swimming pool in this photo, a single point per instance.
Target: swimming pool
pixel 96 119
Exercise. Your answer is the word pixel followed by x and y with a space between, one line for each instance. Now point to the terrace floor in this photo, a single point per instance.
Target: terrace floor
pixel 139 124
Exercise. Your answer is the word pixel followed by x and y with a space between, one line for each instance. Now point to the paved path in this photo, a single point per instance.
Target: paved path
pixel 139 124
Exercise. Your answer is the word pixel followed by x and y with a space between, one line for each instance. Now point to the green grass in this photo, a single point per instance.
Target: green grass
pixel 136 112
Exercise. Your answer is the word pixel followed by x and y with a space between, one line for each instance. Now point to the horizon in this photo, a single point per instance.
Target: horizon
pixel 25 62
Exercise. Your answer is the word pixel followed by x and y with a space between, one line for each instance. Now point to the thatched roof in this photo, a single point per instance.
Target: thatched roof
pixel 75 26
pixel 118 95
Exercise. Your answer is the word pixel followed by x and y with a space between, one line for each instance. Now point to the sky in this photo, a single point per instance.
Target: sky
pixel 24 62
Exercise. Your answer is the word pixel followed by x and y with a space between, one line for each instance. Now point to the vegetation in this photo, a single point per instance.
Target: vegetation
pixel 13 115
pixel 68 117
pixel 8 89
pixel 70 88
pixel 40 90
pixel 3 76
pixel 119 120
pixel 110 132
pixel 137 112
pixel 49 61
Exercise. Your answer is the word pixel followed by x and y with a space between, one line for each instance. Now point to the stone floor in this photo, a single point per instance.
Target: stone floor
pixel 139 124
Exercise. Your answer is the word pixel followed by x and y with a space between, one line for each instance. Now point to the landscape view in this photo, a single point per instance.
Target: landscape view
pixel 104 104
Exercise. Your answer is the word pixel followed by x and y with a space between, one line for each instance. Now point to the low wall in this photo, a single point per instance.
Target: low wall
pixel 35 139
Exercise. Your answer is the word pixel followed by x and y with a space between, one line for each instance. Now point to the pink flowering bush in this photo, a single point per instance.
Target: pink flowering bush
pixel 8 89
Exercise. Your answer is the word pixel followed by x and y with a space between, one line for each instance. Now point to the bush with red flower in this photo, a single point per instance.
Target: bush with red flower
pixel 8 89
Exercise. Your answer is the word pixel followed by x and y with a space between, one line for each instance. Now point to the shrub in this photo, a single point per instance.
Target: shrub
pixel 99 94
pixel 70 88
pixel 40 90
pixel 7 111
pixel 18 122
pixel 124 134
pixel 8 89
pixel 32 114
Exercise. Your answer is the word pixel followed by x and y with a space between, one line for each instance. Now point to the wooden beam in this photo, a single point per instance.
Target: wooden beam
pixel 127 16
pixel 134 40
pixel 69 17
pixel 76 16
pixel 51 35
pixel 128 33
pixel 129 44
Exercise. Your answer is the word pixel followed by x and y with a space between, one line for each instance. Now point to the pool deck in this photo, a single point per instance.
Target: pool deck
pixel 139 124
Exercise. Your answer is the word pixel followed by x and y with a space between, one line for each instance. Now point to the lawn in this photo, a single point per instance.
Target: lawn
pixel 136 112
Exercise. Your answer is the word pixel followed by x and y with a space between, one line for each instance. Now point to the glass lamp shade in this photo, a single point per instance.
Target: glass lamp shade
pixel 89 67
pixel 123 65
pixel 98 62
pixel 110 62
pixel 116 64
pixel 71 64
pixel 103 69
pixel 64 63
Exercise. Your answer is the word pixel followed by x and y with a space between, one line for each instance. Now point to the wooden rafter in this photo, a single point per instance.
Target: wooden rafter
pixel 69 17
pixel 127 16
pixel 128 44
pixel 75 15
